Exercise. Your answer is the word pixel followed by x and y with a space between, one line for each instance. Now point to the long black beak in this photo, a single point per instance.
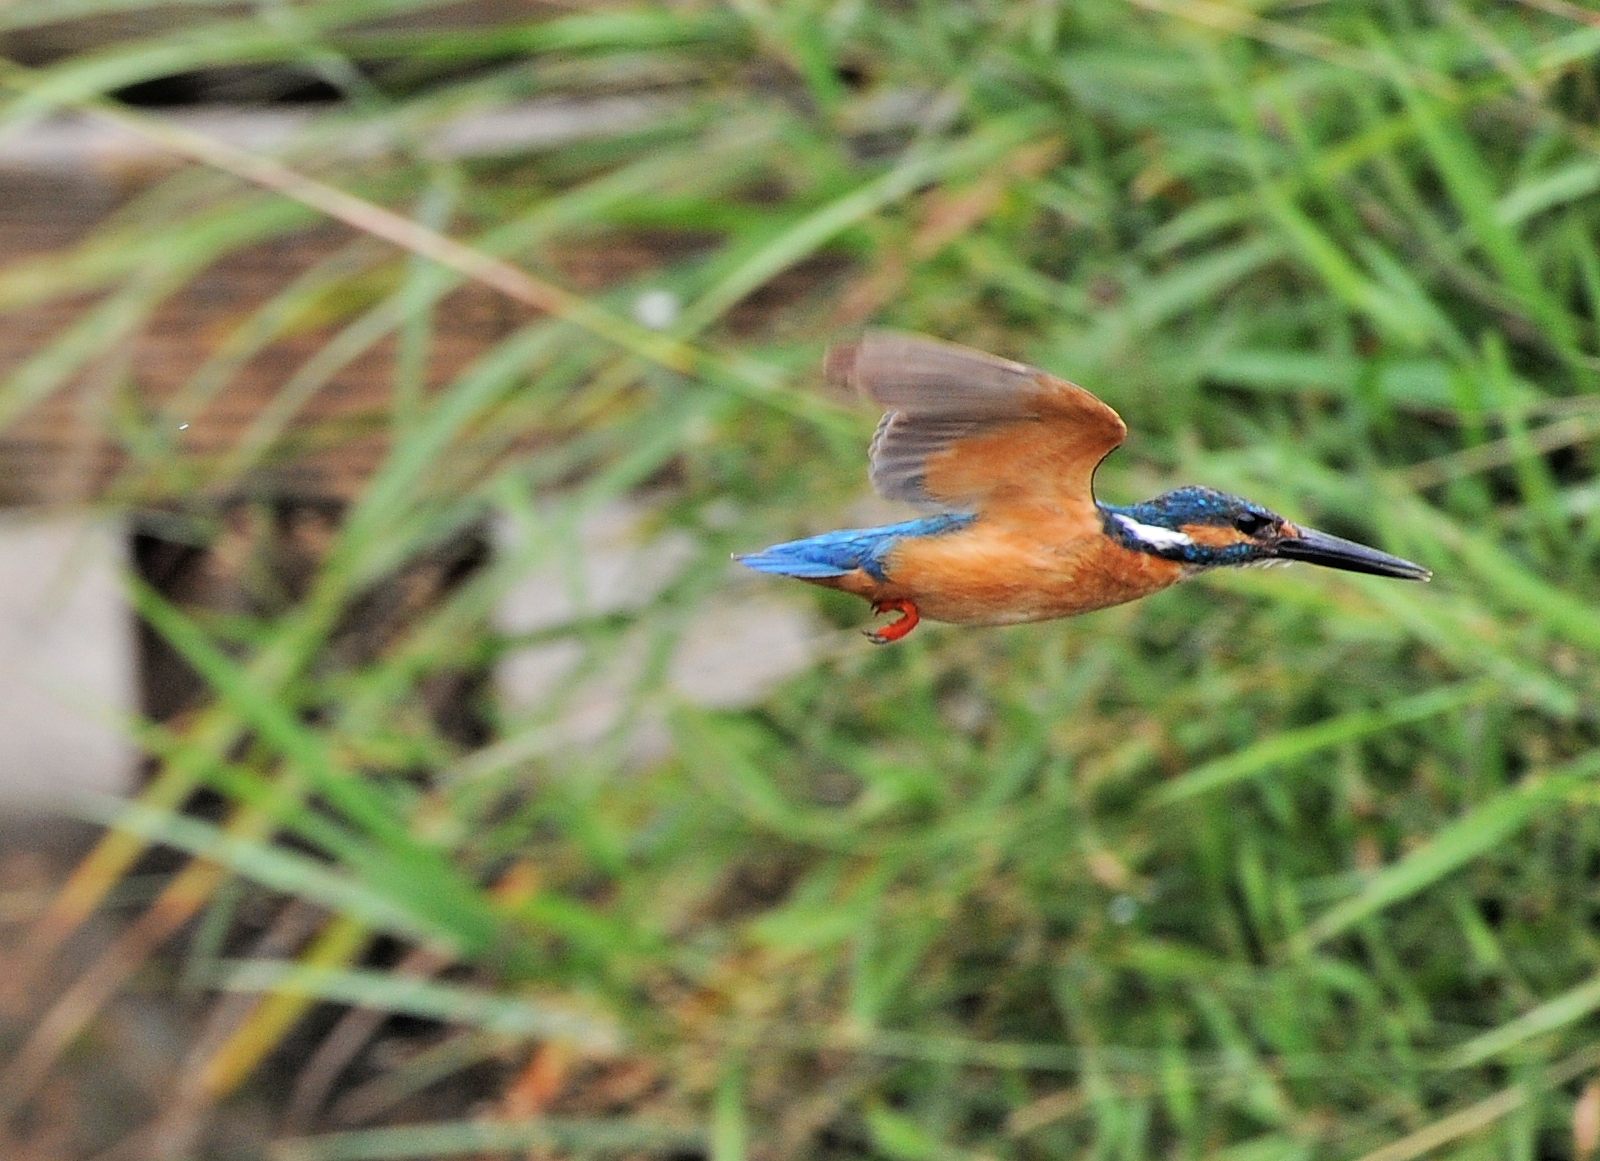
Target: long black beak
pixel 1315 547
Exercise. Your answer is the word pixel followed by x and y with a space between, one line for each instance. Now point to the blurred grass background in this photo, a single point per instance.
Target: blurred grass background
pixel 1286 865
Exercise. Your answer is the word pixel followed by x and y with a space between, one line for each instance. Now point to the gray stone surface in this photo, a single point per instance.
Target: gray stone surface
pixel 68 668
pixel 67 671
pixel 724 658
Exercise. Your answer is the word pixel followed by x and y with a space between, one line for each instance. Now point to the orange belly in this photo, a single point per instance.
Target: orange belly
pixel 996 575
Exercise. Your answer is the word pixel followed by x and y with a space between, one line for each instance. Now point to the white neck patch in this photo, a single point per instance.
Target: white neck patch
pixel 1150 535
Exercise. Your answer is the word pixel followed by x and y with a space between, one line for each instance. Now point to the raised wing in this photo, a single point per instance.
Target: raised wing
pixel 974 432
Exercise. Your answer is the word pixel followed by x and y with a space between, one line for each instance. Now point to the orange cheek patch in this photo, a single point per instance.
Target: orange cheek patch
pixel 1214 535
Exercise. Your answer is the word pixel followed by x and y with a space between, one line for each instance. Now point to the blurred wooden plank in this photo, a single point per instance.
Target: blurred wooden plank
pixel 72 145
pixel 71 445
pixel 63 179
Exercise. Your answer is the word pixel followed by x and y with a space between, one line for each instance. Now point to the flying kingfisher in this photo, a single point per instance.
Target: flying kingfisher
pixel 1004 455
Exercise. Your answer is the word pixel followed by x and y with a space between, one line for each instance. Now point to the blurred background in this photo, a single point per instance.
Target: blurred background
pixel 392 763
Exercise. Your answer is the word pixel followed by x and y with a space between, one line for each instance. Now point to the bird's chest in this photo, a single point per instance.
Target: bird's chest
pixel 1001 576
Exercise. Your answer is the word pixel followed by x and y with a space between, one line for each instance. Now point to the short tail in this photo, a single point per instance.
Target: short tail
pixel 836 553
pixel 819 557
pixel 798 558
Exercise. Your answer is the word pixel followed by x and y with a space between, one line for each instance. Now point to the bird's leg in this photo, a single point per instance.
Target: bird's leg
pixel 896 629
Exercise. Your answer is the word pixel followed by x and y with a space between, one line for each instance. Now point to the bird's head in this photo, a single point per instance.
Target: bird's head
pixel 1203 528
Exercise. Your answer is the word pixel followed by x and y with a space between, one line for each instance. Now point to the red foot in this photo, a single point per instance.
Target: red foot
pixel 897 629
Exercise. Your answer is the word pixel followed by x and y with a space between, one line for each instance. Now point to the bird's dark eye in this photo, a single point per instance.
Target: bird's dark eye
pixel 1251 523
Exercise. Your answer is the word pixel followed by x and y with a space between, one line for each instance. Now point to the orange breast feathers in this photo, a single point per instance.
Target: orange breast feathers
pixel 999 574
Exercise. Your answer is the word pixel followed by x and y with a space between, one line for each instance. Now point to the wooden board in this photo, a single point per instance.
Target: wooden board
pixel 76 443
pixel 73 444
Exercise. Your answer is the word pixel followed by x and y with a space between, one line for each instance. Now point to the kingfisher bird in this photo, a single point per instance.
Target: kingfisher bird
pixel 1003 456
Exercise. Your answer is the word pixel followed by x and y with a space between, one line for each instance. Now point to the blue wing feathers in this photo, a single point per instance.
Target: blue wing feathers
pixel 837 553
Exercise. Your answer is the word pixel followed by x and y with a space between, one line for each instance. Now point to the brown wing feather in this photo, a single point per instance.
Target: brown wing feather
pixel 968 430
